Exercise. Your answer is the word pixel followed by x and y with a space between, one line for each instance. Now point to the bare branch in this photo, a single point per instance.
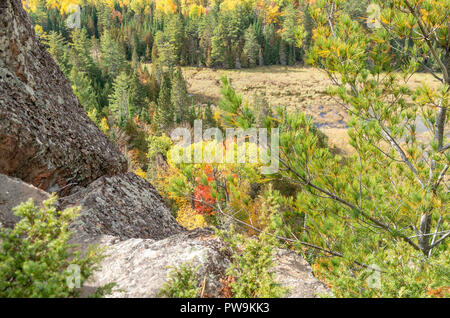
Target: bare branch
pixel 402 154
pixel 440 240
pixel 334 253
pixel 440 177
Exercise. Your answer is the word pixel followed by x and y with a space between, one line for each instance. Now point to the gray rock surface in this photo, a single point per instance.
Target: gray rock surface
pixel 13 192
pixel 46 138
pixel 294 272
pixel 140 267
pixel 125 215
pixel 125 206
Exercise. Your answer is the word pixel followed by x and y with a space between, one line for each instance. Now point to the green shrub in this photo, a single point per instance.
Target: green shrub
pixel 250 268
pixel 158 144
pixel 252 259
pixel 36 259
pixel 182 283
pixel 401 272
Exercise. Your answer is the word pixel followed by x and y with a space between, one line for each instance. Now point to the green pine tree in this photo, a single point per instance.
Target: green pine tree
pixel 80 54
pixel 251 47
pixel 169 42
pixel 119 100
pixel 82 88
pixel 138 94
pixel 179 96
pixel 57 48
pixel 37 260
pixel 208 116
pixel 293 32
pixel 154 52
pixel 164 114
pixel 113 56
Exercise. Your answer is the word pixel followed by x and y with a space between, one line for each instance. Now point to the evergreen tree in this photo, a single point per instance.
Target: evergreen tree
pixel 179 96
pixel 154 52
pixel 208 117
pixel 148 54
pixel 81 58
pixel 113 56
pixel 169 42
pixel 271 46
pixel 206 32
pixel 138 94
pixel 219 44
pixel 80 54
pixel 293 32
pixel 119 100
pixel 36 256
pixel 135 58
pixel 164 114
pixel 83 89
pixel 175 30
pixel 57 48
pixel 251 47
pixel 153 87
pixel 157 72
pixel 105 19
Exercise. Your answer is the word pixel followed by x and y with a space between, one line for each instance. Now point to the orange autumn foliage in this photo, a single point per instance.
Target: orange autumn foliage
pixel 442 292
pixel 202 194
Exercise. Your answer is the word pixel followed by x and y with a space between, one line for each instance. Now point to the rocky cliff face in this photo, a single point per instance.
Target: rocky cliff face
pixel 126 217
pixel 46 138
pixel 125 206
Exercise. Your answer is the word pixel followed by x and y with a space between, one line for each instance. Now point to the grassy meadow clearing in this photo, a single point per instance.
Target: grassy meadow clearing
pixel 298 88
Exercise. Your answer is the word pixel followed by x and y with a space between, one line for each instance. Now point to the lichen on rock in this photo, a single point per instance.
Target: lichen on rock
pixel 13 192
pixel 140 267
pixel 52 145
pixel 125 206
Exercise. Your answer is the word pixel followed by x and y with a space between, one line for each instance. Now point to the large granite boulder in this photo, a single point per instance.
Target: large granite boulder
pixel 13 192
pixel 125 206
pixel 46 138
pixel 293 271
pixel 140 267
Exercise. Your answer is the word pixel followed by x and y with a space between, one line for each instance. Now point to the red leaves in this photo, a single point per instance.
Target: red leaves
pixel 202 194
pixel 226 290
pixel 203 200
pixel 441 292
pixel 118 15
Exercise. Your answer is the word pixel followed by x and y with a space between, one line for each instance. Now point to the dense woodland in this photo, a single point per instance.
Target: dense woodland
pixel 380 213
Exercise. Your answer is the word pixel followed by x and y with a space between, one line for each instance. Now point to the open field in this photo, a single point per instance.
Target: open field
pixel 298 88
pixel 301 89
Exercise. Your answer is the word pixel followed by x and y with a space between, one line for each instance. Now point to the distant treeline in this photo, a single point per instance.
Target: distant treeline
pixel 229 33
